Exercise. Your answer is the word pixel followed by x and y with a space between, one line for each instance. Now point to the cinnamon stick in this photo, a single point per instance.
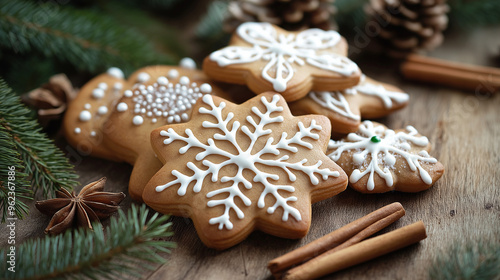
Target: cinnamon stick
pixel 359 253
pixel 347 235
pixel 458 75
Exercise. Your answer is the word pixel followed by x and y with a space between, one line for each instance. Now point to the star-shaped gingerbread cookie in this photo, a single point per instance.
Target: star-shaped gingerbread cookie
pixel 378 159
pixel 268 58
pixel 236 168
pixel 345 109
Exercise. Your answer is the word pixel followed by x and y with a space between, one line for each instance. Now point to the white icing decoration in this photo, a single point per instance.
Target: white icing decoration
pixel 137 120
pixel 381 92
pixel 103 86
pixel 102 110
pixel 143 77
pixel 382 154
pixel 166 99
pixel 246 158
pixel 85 116
pixel 162 81
pixel 187 63
pixel 93 133
pixel 283 51
pixel 115 72
pixel 122 107
pixel 87 106
pixel 98 93
pixel 336 101
pixel 173 74
pixel 184 80
pixel 206 88
pixel 117 86
pixel 78 130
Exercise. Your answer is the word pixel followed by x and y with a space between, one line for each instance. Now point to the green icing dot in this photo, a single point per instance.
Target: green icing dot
pixel 375 139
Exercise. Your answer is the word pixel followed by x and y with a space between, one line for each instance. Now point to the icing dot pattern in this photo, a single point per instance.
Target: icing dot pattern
pixel 102 96
pixel 187 63
pixel 85 116
pixel 164 99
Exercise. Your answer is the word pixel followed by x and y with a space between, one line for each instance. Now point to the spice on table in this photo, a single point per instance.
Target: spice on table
pixel 91 204
pixel 359 253
pixel 453 74
pixel 341 238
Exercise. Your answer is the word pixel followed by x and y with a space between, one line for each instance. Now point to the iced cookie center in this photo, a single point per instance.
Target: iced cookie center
pixel 164 100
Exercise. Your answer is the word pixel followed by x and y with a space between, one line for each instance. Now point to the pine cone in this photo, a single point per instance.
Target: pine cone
pixel 288 14
pixel 408 26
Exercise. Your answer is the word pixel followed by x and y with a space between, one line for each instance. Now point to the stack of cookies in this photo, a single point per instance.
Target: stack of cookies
pixel 236 162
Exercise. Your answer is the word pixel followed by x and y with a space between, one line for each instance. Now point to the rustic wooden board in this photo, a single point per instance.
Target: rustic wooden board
pixel 464 205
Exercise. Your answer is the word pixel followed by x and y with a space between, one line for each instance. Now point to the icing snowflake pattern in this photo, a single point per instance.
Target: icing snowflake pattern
pixel 246 159
pixel 283 51
pixel 337 102
pixel 383 145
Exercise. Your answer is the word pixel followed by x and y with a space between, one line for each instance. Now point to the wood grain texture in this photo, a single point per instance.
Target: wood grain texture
pixel 464 205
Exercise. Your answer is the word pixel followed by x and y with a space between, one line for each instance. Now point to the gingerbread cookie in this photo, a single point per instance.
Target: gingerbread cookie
pixel 86 114
pixel 236 168
pixel 369 99
pixel 159 95
pixel 378 159
pixel 266 57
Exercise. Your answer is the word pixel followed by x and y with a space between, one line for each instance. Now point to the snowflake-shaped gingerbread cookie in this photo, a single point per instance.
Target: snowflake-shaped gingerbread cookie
pixel 369 99
pixel 265 57
pixel 235 168
pixel 378 159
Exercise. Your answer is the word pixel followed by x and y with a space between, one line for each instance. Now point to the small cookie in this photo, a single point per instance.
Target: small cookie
pixel 268 58
pixel 86 114
pixel 235 168
pixel 378 159
pixel 369 99
pixel 159 95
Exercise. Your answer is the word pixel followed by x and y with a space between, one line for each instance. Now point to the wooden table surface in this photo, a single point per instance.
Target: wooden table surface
pixel 464 204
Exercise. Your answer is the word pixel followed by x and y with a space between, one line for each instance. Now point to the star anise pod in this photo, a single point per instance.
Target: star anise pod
pixel 68 209
pixel 51 99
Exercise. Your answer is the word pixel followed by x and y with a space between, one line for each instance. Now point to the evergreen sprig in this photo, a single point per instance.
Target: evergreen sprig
pixel 473 260
pixel 210 29
pixel 130 244
pixel 38 161
pixel 162 36
pixel 13 183
pixel 471 13
pixel 86 39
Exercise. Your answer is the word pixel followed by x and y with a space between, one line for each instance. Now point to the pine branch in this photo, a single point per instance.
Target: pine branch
pixel 13 181
pixel 473 13
pixel 85 38
pixel 162 36
pixel 350 14
pixel 129 245
pixel 45 164
pixel 35 68
pixel 472 260
pixel 210 28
